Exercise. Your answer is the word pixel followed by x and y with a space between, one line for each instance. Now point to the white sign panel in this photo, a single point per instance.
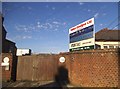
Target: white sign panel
pixel 4 64
pixel 82 25
pixel 21 52
pixel 82 43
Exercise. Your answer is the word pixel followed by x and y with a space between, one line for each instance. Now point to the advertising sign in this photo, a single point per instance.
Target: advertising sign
pixel 82 36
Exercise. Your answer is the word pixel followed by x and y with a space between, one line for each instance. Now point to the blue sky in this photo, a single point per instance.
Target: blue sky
pixel 43 26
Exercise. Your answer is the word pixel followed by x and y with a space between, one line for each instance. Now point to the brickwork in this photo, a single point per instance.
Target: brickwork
pixel 6 74
pixel 94 68
pixel 89 68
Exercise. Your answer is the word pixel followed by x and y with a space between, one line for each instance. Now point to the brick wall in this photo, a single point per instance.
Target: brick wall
pixel 89 68
pixel 93 68
pixel 6 74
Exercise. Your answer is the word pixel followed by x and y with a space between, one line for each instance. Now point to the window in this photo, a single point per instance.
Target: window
pixel 111 47
pixel 116 46
pixel 105 47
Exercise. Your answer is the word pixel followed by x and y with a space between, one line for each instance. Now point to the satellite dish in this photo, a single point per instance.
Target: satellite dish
pixel 6 60
pixel 62 59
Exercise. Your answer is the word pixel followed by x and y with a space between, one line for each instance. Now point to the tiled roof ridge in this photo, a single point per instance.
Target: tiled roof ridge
pixel 106 29
pixel 108 34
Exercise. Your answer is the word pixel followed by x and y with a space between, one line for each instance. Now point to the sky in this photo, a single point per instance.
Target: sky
pixel 44 27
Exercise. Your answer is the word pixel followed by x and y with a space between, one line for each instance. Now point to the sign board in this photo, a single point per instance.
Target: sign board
pixel 5 63
pixel 62 59
pixel 82 36
pixel 6 60
pixel 21 52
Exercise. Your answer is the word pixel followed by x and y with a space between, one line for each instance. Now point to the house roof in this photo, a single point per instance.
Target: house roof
pixel 10 41
pixel 3 28
pixel 107 35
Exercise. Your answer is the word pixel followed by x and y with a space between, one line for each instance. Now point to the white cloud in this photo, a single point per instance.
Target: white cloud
pixel 49 25
pixel 38 26
pixel 47 6
pixel 23 28
pixel 104 14
pixel 38 22
pixel 26 37
pixel 20 37
pixel 89 10
pixel 52 25
pixel 53 8
pixel 81 3
pixel 101 24
pixel 55 22
pixel 55 29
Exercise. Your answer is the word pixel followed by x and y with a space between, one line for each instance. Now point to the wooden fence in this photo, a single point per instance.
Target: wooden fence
pixel 37 67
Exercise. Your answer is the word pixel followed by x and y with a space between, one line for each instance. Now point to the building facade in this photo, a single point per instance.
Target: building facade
pixel 8 50
pixel 106 39
pixel 7 45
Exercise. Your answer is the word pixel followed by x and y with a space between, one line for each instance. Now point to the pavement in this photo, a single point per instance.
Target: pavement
pixel 33 84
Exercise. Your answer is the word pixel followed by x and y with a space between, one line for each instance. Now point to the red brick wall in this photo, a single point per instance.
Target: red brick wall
pixel 92 68
pixel 6 74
